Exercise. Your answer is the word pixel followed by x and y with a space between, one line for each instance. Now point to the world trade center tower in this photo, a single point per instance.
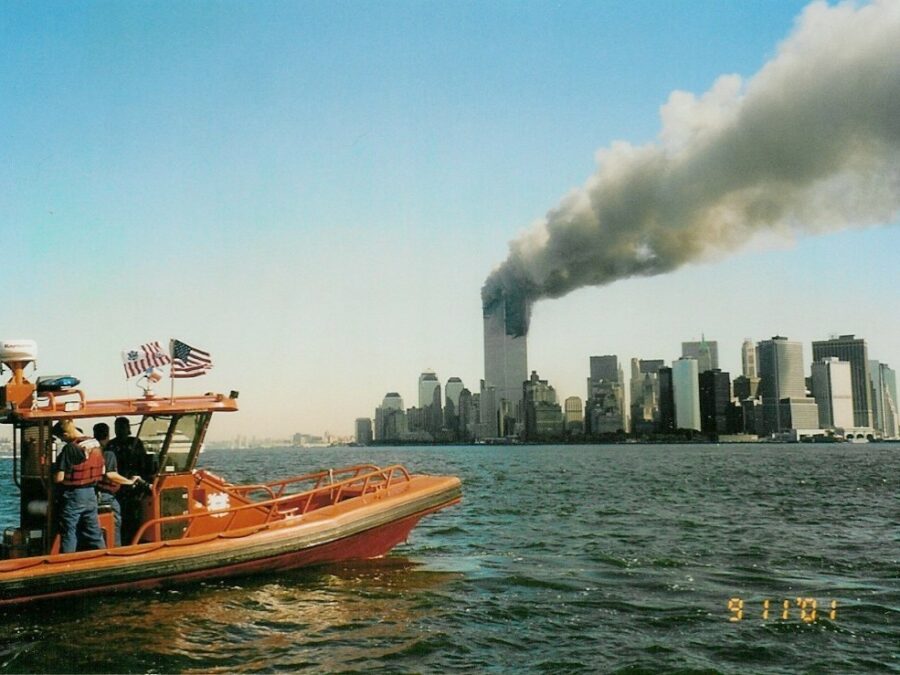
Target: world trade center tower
pixel 505 360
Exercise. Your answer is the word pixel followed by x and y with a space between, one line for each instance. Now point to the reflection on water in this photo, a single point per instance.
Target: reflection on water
pixel 359 614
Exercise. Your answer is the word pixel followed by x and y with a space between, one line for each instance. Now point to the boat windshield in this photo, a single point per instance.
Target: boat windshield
pixel 184 434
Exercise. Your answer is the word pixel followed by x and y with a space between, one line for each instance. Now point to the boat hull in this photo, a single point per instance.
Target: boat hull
pixel 365 527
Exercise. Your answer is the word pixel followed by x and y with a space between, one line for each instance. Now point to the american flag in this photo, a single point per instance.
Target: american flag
pixel 188 361
pixel 150 355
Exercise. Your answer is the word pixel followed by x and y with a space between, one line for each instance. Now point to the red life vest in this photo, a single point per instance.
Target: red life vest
pixel 91 470
pixel 105 484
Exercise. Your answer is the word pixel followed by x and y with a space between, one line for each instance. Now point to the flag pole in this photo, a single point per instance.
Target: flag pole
pixel 171 368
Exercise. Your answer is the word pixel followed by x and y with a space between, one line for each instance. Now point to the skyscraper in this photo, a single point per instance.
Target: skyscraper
pixel 833 392
pixel 543 415
pixel 715 402
pixel 666 401
pixel 748 359
pixel 782 377
pixel 452 390
pixel 706 352
pixel 884 398
pixel 390 418
pixel 427 383
pixel 363 430
pixel 686 386
pixel 505 353
pixel 605 408
pixel 853 350
pixel 574 415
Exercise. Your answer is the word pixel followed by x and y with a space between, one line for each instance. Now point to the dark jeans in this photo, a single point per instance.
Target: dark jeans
pixel 107 499
pixel 79 526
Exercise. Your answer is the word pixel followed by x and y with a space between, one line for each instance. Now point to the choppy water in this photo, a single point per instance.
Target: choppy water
pixel 560 559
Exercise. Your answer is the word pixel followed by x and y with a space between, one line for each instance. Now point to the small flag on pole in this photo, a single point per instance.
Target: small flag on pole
pixel 150 355
pixel 188 361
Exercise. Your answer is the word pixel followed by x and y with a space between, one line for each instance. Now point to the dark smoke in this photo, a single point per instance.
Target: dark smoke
pixel 811 143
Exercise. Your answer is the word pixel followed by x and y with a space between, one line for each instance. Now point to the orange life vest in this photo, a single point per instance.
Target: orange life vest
pixel 91 470
pixel 105 484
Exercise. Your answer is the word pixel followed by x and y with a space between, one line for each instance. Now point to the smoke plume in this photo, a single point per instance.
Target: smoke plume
pixel 810 143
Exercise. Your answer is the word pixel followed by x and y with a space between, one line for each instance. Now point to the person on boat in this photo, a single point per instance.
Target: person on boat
pixel 111 482
pixel 129 453
pixel 78 469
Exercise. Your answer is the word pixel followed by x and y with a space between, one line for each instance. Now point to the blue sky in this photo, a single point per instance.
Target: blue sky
pixel 315 192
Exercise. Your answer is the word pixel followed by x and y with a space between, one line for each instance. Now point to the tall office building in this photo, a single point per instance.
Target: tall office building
pixel 686 386
pixel 605 368
pixel 390 418
pixel 644 388
pixel 428 381
pixel 574 415
pixel 782 377
pixel 605 407
pixel 363 430
pixel 715 402
pixel 706 352
pixel 452 412
pixel 884 399
pixel 748 359
pixel 488 413
pixel 505 353
pixel 853 350
pixel 666 422
pixel 543 415
pixel 452 391
pixel 832 389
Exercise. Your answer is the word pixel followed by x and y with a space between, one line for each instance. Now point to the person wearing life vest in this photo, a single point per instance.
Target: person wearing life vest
pixel 112 480
pixel 79 467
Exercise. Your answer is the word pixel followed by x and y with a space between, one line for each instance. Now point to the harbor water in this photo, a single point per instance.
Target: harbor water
pixel 759 558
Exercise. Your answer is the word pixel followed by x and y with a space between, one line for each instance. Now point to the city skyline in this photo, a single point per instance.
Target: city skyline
pixel 315 196
pixel 790 395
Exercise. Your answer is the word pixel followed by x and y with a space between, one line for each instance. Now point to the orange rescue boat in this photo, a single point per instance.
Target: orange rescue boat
pixel 192 524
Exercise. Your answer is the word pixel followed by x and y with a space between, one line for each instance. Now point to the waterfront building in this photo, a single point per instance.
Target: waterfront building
pixel 853 350
pixel 745 387
pixel 390 418
pixel 605 407
pixel 686 390
pixel 428 382
pixel 364 430
pixel 574 416
pixel 415 420
pixel 464 416
pixel 752 420
pixel 489 413
pixel 644 389
pixel 715 402
pixel 799 413
pixel 749 360
pixel 884 399
pixel 505 354
pixel 543 415
pixel 706 352
pixel 666 422
pixel 833 392
pixel 452 391
pixel 781 376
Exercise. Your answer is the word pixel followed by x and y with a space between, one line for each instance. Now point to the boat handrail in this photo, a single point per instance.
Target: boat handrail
pixel 383 479
pixel 319 476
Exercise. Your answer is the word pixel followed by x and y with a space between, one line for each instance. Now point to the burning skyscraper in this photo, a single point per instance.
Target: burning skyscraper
pixel 505 358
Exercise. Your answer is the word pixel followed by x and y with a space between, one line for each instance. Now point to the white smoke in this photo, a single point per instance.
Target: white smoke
pixel 810 143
